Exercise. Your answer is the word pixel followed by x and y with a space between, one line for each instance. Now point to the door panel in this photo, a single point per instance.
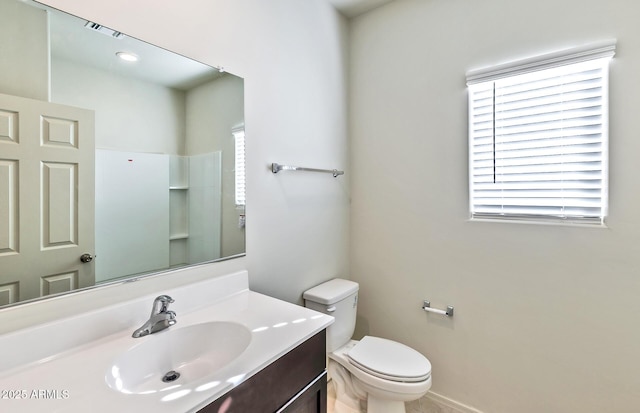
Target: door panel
pixel 46 198
pixel 8 206
pixel 60 198
pixel 59 283
pixel 8 126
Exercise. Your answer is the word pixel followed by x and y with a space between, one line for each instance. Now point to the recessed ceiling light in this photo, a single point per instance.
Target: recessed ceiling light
pixel 129 57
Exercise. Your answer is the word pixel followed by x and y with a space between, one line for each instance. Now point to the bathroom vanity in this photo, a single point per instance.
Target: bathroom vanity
pixel 236 351
pixel 274 388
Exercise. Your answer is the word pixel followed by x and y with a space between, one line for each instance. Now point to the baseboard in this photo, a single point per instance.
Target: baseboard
pixel 453 405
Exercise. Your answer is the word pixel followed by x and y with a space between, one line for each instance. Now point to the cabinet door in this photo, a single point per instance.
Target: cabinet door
pixel 272 389
pixel 312 400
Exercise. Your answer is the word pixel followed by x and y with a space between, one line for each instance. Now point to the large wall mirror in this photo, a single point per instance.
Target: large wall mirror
pixel 117 158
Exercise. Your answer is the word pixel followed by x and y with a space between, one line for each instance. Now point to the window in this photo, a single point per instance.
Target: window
pixel 538 133
pixel 238 135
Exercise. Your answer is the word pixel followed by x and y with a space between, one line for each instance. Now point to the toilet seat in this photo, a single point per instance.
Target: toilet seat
pixel 389 360
pixel 373 384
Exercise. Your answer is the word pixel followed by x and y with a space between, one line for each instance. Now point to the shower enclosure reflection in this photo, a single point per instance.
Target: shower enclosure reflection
pixel 164 160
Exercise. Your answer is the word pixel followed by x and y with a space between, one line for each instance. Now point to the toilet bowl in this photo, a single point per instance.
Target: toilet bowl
pixel 383 372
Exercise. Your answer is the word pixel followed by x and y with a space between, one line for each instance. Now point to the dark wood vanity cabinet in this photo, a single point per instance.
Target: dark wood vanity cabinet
pixel 295 383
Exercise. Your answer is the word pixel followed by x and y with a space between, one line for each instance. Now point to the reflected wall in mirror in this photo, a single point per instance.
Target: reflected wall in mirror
pixel 110 168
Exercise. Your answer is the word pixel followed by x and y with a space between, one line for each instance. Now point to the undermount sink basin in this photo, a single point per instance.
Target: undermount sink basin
pixel 193 352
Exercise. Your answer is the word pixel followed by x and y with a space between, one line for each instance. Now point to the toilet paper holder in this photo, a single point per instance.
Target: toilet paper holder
pixel 426 306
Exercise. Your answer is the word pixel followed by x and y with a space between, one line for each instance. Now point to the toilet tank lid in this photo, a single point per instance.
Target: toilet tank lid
pixel 331 292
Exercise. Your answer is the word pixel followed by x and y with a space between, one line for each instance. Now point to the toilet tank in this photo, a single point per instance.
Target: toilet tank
pixel 338 298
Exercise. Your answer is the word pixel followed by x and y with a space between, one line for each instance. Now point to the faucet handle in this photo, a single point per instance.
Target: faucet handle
pixel 161 304
pixel 164 298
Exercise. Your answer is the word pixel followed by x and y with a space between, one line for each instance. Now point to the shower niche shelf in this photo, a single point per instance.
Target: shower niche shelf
pixel 178 209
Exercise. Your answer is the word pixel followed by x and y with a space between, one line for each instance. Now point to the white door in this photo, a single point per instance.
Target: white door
pixel 46 198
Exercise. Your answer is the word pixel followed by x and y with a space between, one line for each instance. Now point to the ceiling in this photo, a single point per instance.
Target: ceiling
pixel 72 41
pixel 353 8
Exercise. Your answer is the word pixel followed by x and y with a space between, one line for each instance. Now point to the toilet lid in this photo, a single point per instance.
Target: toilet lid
pixel 389 360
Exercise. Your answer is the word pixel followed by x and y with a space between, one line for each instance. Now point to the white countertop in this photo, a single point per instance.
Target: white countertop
pixel 74 380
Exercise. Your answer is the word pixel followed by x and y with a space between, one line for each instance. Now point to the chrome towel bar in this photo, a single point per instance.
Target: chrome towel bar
pixel 276 167
pixel 427 307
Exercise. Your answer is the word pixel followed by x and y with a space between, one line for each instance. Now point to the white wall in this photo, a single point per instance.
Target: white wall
pixel 213 110
pixel 25 39
pixel 158 121
pixel 292 55
pixel 546 317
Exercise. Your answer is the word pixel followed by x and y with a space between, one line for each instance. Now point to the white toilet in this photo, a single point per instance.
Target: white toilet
pixel 384 372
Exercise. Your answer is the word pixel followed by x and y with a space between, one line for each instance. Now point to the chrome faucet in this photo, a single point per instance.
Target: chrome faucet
pixel 160 318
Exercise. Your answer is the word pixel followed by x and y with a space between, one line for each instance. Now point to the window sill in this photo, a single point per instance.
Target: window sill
pixel 540 222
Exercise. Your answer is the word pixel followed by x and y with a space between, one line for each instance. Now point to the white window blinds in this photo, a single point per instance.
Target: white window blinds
pixel 238 135
pixel 538 138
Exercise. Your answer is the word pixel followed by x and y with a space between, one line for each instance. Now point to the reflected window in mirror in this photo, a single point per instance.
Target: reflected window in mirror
pixel 238 136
